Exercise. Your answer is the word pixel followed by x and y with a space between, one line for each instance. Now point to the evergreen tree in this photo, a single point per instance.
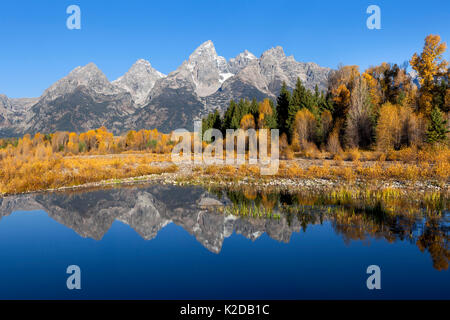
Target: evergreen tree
pixel 271 120
pixel 437 130
pixel 235 121
pixel 328 103
pixel 324 102
pixel 228 116
pixel 254 106
pixel 298 94
pixel 241 109
pixel 234 114
pixel 212 121
pixel 316 93
pixel 268 113
pixel 282 109
pixel 439 93
pixel 301 98
pixel 217 121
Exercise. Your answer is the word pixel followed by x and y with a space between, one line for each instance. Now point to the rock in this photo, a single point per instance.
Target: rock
pixel 139 80
pixel 209 202
pixel 145 98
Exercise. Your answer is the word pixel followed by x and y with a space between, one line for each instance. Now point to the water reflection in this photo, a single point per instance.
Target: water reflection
pixel 211 216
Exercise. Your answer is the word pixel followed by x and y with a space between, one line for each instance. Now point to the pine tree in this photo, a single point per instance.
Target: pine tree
pixel 283 109
pixel 228 116
pixel 267 118
pixel 437 130
pixel 316 92
pixel 254 106
pixel 271 120
pixel 298 94
pixel 241 109
pixel 301 98
pixel 212 121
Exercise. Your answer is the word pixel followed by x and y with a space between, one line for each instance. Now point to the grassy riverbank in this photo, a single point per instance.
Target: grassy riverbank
pixel 19 175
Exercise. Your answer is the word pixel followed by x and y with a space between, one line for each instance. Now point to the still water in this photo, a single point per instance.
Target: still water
pixel 170 242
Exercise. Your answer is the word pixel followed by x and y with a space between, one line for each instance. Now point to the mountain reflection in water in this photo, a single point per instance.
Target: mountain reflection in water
pixel 211 216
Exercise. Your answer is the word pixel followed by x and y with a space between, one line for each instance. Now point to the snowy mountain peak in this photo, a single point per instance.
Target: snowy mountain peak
pixel 241 61
pixel 139 80
pixel 145 98
pixel 247 55
pixel 207 70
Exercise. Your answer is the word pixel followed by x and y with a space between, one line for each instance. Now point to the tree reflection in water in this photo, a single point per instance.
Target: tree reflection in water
pixel 423 221
pixel 213 215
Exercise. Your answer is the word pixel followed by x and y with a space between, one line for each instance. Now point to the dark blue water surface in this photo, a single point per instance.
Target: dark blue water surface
pixel 160 242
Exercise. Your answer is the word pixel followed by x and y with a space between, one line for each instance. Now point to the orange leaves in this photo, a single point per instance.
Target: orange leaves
pixel 304 127
pixel 429 65
pixel 248 122
pixel 265 110
pixel 265 107
pixel 340 84
pixel 341 97
pixel 38 163
pixel 388 129
pixel 374 89
pixel 22 175
pixel 98 141
pixel 398 126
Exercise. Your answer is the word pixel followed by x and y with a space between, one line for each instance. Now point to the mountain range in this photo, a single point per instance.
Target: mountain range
pixel 146 98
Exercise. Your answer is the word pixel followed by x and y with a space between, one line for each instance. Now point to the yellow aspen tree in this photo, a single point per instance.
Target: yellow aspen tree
pixel 73 144
pixel 247 122
pixel 304 127
pixel 429 64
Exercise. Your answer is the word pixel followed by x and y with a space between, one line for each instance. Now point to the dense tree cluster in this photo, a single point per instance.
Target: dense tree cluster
pixel 382 108
pixel 98 141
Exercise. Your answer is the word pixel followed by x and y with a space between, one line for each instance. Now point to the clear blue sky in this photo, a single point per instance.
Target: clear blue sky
pixel 36 48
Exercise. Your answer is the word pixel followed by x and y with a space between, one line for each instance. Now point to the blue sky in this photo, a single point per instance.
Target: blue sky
pixel 36 48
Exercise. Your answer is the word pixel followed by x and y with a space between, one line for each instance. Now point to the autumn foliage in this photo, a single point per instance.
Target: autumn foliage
pixel 386 107
pixel 68 159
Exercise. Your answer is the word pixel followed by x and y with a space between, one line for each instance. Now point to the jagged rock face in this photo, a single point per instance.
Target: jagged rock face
pixel 176 100
pixel 139 80
pixel 13 114
pixel 277 68
pixel 249 83
pixel 145 98
pixel 22 104
pixel 262 78
pixel 88 76
pixel 202 73
pixel 170 109
pixel 207 69
pixel 81 101
pixel 240 62
pixel 5 110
